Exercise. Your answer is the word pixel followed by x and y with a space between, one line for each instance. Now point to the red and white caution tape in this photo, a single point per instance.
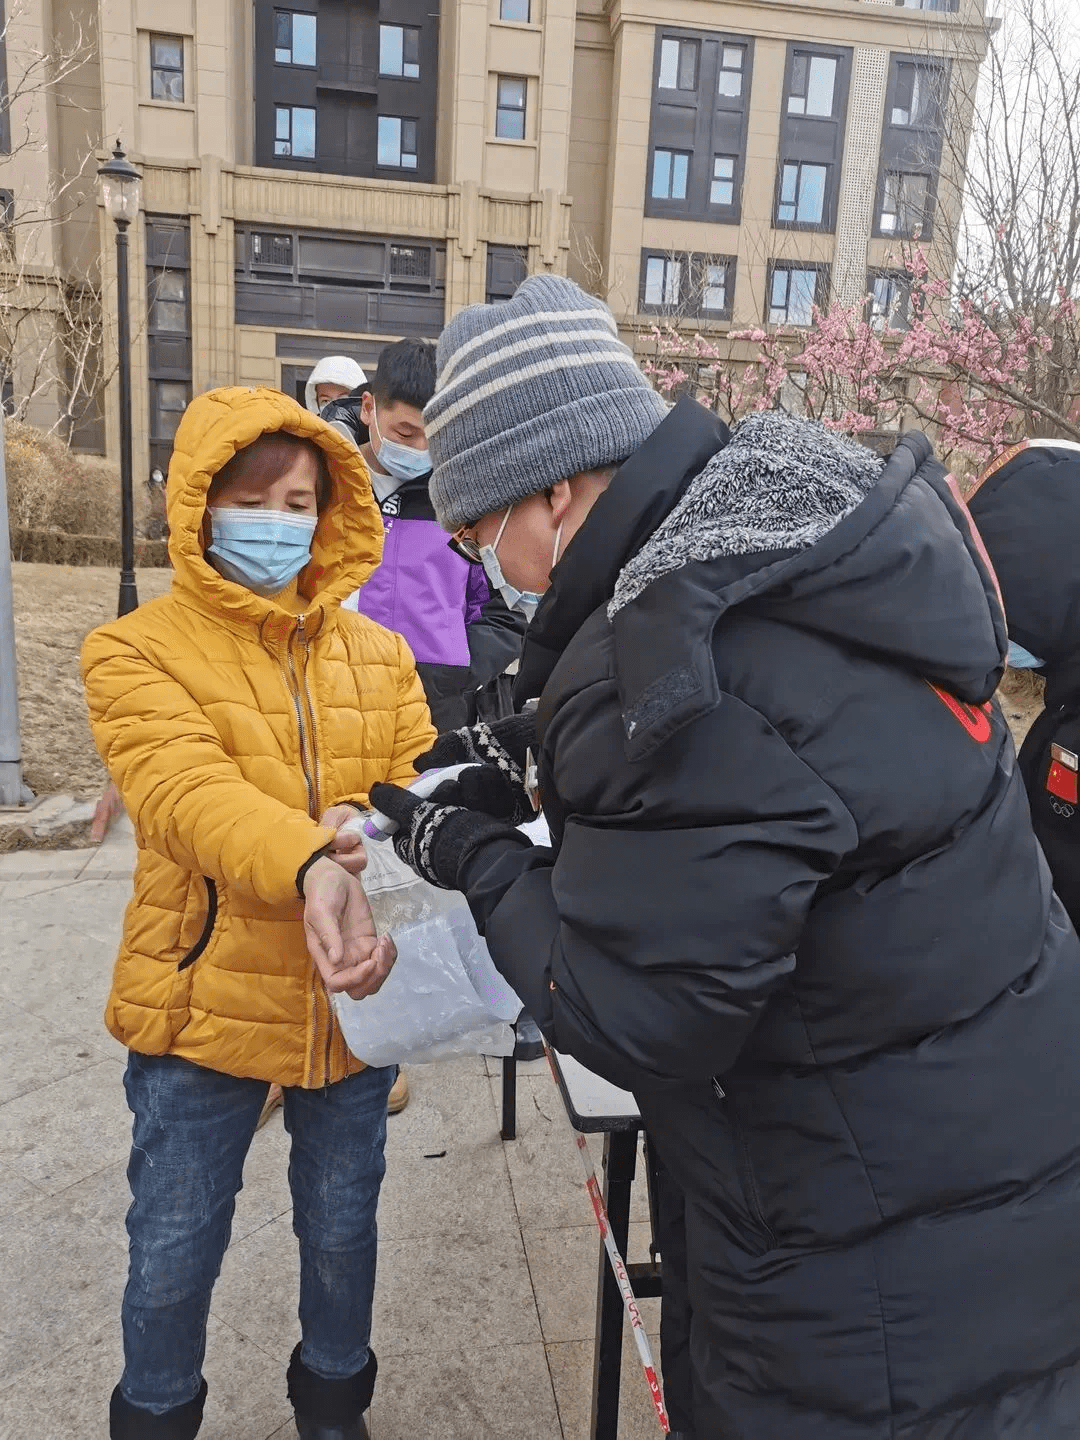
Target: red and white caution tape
pixel 618 1266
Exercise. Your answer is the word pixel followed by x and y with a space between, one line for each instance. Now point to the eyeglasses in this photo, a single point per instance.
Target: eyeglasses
pixel 464 545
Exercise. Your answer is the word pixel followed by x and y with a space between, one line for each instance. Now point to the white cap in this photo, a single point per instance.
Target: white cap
pixel 332 370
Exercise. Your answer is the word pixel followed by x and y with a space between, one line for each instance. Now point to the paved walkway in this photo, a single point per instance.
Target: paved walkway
pixel 487 1256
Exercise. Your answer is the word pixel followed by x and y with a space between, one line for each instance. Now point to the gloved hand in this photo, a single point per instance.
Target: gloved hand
pixel 503 743
pixel 498 788
pixel 435 838
pixel 489 791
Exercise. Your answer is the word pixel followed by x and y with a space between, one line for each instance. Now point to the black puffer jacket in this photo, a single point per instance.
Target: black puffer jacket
pixel 1027 508
pixel 792 853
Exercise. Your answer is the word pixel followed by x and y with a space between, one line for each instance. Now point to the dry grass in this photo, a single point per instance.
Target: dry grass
pixel 55 607
pixel 52 488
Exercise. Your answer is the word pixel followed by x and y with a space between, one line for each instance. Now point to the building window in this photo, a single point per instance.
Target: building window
pixel 271 250
pixel 715 288
pixel 813 85
pixel 397 142
pixel 794 290
pixel 928 4
pixel 168 331
pixel 336 91
pixel 507 267
pixel 515 10
pixel 730 79
pixel 169 400
pixel 399 51
pixel 169 303
pixel 910 146
pixel 167 68
pixel 904 204
pixel 510 107
pixel 890 299
pixel 339 282
pixel 914 95
pixel 700 105
pixel 722 191
pixel 663 282
pixel 7 224
pixel 294 131
pixel 670 171
pixel 679 64
pixel 688 285
pixel 802 194
pixel 811 137
pixel 294 38
pixel 410 262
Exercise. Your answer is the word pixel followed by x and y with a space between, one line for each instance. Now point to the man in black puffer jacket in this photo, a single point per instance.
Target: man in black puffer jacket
pixel 793 898
pixel 1027 507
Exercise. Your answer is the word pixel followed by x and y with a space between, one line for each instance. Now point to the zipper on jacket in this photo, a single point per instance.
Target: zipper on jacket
pixel 304 705
pixel 298 693
pixel 207 930
pixel 310 705
pixel 298 705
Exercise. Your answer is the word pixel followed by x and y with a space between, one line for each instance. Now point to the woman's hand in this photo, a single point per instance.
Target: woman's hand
pixel 347 850
pixel 340 932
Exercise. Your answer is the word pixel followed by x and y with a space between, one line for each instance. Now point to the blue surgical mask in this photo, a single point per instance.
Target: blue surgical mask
pixel 400 461
pixel 1021 659
pixel 525 602
pixel 260 549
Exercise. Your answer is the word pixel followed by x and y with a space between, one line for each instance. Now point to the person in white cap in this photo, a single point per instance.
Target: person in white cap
pixel 332 377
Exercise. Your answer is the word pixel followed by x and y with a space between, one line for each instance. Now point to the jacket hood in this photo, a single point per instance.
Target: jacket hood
pixel 348 540
pixel 332 370
pixel 801 524
pixel 778 486
pixel 1027 507
pixel 807 527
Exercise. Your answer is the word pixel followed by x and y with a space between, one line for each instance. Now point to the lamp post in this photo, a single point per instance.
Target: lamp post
pixel 120 185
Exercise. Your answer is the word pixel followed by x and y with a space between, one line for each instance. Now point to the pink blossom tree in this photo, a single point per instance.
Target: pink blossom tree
pixel 955 370
pixel 980 356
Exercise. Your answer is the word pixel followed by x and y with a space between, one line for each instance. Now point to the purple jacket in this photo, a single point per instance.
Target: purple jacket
pixel 461 636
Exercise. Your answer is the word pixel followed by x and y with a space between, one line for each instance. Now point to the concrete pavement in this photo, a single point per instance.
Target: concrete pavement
pixel 486 1293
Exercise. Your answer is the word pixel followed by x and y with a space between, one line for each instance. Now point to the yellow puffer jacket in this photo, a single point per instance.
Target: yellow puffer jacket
pixel 229 723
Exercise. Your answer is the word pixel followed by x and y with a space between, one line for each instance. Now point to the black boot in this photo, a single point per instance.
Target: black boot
pixel 132 1422
pixel 330 1409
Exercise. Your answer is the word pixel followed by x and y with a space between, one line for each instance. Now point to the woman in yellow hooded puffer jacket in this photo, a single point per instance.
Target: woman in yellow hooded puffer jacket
pixel 237 727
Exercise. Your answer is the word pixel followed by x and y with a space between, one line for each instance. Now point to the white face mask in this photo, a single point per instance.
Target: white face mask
pixel 524 601
pixel 400 461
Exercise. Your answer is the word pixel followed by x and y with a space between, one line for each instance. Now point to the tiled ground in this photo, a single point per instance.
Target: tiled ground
pixel 487 1257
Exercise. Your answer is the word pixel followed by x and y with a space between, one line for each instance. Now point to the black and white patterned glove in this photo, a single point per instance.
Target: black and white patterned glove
pixel 501 749
pixel 435 838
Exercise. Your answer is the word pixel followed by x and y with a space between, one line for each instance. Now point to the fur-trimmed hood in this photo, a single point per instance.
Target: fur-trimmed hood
pixel 779 485
pixel 797 523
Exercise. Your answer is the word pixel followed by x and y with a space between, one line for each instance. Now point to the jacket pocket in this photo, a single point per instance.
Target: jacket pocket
pixel 208 927
pixel 747 1179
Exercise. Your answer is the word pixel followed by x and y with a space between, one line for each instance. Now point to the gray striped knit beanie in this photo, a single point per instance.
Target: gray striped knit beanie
pixel 530 392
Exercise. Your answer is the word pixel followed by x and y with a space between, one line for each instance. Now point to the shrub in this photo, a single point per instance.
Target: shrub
pixel 51 489
pixel 54 547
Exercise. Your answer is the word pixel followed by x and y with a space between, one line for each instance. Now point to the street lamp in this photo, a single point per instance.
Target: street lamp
pixel 120 185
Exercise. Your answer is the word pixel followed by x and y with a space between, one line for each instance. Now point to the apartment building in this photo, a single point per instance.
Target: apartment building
pixel 323 176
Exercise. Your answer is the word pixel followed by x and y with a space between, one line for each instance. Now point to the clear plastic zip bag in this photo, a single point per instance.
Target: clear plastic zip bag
pixel 444 997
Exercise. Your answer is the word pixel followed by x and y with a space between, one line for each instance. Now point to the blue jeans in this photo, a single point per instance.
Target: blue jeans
pixel 190 1136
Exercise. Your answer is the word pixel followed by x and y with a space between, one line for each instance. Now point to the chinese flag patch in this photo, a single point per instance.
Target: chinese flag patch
pixel 1061 779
